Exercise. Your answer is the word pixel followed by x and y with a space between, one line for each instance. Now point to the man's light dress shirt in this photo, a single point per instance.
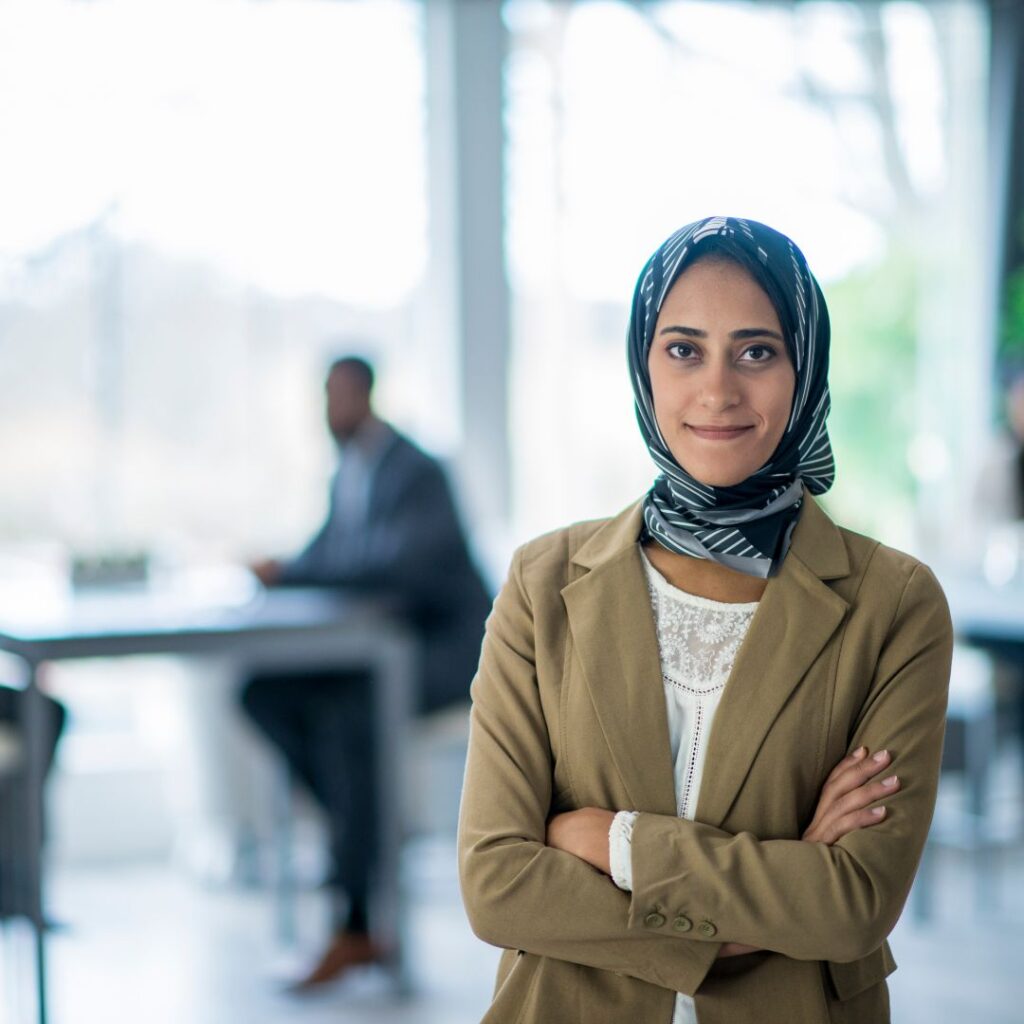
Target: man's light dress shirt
pixel 697 644
pixel 360 457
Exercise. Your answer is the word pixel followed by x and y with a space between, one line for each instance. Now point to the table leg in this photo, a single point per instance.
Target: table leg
pixel 393 706
pixel 980 746
pixel 32 732
pixel 284 881
pixel 922 895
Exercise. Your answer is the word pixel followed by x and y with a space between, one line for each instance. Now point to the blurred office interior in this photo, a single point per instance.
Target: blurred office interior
pixel 204 201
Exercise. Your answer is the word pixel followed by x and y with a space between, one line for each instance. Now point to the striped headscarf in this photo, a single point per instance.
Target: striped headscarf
pixel 747 526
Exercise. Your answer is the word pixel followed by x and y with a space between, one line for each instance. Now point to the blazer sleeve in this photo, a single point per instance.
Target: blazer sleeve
pixel 807 900
pixel 518 892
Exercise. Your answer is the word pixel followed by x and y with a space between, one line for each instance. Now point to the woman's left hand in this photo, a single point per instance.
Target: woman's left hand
pixel 584 834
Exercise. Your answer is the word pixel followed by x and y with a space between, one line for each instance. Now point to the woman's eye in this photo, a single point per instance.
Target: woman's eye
pixel 759 353
pixel 681 350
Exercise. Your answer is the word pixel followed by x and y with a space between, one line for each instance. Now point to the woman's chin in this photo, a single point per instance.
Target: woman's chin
pixel 715 476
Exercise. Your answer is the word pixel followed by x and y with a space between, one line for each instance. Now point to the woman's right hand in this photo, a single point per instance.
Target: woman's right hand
pixel 846 797
pixel 843 807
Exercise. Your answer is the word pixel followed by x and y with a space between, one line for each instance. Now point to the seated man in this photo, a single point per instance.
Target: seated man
pixel 392 528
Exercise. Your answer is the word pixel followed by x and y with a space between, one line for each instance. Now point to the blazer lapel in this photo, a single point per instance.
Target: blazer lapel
pixel 614 637
pixel 795 619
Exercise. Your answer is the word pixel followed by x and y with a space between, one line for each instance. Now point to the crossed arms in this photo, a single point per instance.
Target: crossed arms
pixel 804 899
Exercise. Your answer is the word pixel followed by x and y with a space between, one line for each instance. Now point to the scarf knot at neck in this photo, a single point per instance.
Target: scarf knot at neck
pixel 746 526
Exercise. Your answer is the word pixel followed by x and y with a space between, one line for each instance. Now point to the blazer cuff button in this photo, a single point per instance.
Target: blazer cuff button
pixel 707 929
pixel 654 919
pixel 682 923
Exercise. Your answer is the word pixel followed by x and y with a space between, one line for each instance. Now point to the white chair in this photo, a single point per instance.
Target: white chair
pixel 435 766
pixel 963 819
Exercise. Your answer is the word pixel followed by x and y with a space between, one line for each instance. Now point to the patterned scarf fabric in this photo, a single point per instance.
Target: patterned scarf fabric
pixel 747 526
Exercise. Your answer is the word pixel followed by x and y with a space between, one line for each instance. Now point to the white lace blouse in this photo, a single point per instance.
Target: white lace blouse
pixel 697 643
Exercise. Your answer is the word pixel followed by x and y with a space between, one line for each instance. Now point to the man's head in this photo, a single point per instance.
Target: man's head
pixel 349 383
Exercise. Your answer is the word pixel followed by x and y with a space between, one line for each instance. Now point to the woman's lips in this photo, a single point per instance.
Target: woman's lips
pixel 718 433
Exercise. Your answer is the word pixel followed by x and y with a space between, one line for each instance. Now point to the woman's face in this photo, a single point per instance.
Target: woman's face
pixel 720 374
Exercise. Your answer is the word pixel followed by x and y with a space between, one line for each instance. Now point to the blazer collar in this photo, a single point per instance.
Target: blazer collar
pixel 615 639
pixel 816 540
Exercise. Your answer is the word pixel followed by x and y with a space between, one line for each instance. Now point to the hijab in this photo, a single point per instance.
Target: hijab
pixel 746 526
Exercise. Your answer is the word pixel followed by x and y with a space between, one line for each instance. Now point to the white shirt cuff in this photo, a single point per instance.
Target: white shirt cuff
pixel 620 849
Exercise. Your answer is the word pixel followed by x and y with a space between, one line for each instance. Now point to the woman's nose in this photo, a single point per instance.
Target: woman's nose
pixel 719 388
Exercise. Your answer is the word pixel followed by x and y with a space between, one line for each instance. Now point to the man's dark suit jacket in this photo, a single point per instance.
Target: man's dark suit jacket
pixel 412 547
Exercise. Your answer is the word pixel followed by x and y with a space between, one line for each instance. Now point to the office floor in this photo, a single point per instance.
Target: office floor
pixel 144 943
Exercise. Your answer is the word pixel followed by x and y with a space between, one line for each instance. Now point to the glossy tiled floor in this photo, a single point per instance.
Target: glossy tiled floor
pixel 145 945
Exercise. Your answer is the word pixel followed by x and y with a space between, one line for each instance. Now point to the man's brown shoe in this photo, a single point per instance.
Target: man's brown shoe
pixel 347 950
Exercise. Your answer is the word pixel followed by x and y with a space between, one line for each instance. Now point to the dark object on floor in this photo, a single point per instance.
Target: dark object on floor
pixel 16 890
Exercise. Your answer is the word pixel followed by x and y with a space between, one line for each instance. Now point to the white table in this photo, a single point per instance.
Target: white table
pixel 257 631
pixel 983 612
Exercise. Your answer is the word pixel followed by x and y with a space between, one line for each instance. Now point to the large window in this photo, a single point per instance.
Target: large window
pixel 201 202
pixel 854 128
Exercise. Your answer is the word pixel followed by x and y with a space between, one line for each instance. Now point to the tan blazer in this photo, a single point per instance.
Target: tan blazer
pixel 850 645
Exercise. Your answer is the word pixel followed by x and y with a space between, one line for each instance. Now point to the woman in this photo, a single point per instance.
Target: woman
pixel 637 862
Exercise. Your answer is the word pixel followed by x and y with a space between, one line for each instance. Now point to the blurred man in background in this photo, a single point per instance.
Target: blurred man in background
pixel 391 529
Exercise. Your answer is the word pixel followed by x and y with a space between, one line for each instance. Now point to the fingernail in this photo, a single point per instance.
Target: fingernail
pixel 891 781
pixel 881 755
pixel 860 752
pixel 878 811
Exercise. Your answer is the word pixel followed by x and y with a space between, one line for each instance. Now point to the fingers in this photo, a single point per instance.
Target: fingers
pixel 854 757
pixel 852 786
pixel 853 771
pixel 858 767
pixel 843 826
pixel 854 811
pixel 735 949
pixel 868 793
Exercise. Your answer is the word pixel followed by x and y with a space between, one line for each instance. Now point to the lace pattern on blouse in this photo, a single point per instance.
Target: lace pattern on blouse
pixel 697 643
pixel 697 638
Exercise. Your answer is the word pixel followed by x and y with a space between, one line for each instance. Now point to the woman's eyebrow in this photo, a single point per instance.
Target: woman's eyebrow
pixel 739 335
pixel 755 332
pixel 689 332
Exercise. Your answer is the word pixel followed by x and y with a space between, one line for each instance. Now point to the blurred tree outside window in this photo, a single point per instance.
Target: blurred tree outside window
pixel 1011 347
pixel 854 128
pixel 202 203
